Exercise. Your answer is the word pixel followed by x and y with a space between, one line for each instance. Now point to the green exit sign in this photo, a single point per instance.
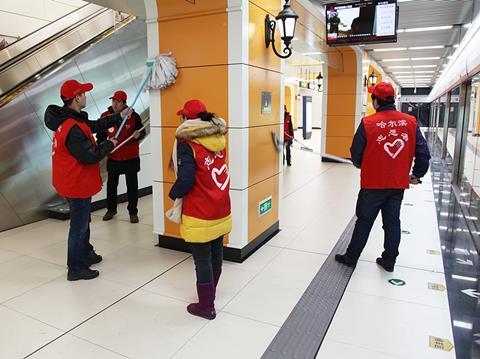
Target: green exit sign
pixel 264 206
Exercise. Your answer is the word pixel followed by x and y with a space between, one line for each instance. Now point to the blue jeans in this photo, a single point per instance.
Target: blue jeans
pixel 79 246
pixel 369 203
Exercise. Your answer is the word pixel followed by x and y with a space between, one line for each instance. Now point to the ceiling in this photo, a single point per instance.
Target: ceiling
pixel 408 61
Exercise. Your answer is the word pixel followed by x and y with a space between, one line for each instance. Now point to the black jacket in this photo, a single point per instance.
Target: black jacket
pixel 186 171
pixel 422 153
pixel 103 135
pixel 77 143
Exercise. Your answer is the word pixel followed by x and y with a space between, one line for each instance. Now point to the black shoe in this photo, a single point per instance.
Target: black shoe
pixel 342 258
pixel 109 215
pixel 133 218
pixel 85 273
pixel 93 258
pixel 289 164
pixel 381 263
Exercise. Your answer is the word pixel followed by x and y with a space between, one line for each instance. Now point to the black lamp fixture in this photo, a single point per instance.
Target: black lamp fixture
pixel 373 78
pixel 287 19
pixel 319 81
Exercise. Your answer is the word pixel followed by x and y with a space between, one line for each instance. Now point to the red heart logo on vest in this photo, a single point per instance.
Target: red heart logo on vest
pixel 218 172
pixel 394 148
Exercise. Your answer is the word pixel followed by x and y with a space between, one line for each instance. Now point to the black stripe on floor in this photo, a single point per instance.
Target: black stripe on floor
pixel 302 333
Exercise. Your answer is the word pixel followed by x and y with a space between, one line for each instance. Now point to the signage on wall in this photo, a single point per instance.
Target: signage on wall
pixel 264 206
pixel 266 103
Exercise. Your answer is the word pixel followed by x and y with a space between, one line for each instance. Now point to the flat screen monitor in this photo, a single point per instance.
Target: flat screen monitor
pixel 361 22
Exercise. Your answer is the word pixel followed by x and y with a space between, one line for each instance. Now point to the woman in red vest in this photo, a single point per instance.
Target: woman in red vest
pixel 203 182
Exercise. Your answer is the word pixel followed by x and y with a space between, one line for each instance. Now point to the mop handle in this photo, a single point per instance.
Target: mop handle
pixel 149 74
pixel 128 139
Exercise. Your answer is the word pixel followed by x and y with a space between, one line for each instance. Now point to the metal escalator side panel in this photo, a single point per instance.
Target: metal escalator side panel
pixel 46 32
pixel 55 52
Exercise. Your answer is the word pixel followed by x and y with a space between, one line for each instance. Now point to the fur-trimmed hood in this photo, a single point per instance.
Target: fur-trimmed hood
pixel 210 134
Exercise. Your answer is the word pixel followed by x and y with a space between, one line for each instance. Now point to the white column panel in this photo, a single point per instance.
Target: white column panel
pixel 158 208
pixel 238 158
pixel 238 238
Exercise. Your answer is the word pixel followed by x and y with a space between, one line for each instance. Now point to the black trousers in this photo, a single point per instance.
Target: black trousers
pixel 288 152
pixel 208 258
pixel 370 202
pixel 132 191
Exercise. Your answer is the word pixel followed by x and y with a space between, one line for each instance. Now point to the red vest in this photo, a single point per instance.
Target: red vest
pixel 72 178
pixel 388 156
pixel 286 128
pixel 209 199
pixel 131 149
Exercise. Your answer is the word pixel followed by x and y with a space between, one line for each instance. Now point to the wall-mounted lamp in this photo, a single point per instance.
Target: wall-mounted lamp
pixel 319 81
pixel 287 19
pixel 373 78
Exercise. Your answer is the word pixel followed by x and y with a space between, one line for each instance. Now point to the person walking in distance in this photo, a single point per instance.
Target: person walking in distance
pixel 75 169
pixel 384 148
pixel 287 136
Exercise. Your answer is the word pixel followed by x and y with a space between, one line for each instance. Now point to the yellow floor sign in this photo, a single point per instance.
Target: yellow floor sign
pixel 436 286
pixel 441 344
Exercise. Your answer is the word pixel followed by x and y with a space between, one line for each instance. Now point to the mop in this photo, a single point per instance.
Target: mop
pixel 161 73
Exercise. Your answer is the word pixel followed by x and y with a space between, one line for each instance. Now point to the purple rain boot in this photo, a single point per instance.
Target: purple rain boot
pixel 205 307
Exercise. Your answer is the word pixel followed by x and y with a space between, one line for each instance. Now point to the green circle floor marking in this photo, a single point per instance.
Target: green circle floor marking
pixel 405 232
pixel 397 282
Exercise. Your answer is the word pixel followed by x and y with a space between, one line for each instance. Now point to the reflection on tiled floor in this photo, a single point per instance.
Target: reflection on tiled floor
pixel 136 308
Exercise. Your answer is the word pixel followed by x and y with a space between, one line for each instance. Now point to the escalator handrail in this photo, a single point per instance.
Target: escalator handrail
pixel 47 34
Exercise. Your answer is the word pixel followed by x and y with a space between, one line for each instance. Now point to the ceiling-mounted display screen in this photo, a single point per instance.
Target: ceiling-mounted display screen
pixel 361 22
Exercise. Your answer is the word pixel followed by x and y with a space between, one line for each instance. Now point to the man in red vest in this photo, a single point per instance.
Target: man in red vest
pixel 125 160
pixel 384 147
pixel 75 169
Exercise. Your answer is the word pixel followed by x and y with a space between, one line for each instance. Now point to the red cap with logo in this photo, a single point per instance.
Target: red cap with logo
pixel 382 90
pixel 72 88
pixel 192 108
pixel 119 96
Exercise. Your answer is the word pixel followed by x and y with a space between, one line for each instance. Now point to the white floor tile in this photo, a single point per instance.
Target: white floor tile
pixel 122 232
pixel 332 349
pixel 144 325
pixel 24 273
pixel 295 265
pixel 21 335
pixel 180 282
pixel 7 255
pixel 258 260
pixel 382 325
pixel 70 347
pixel 220 339
pixel 267 299
pixel 57 253
pixel 369 278
pixel 65 304
pixel 135 266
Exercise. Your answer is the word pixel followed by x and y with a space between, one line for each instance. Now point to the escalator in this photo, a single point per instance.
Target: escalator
pixel 92 44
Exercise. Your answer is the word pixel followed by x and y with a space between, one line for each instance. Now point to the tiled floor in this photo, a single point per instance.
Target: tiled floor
pixel 136 308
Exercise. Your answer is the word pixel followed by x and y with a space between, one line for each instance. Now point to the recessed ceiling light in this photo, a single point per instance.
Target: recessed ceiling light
pixel 467 25
pixel 425 72
pixel 394 60
pixel 430 28
pixel 426 47
pixel 402 72
pixel 423 66
pixel 391 49
pixel 425 58
pixel 400 67
pixel 456 45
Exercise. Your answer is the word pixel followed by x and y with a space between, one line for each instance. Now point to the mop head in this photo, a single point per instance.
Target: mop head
pixel 163 72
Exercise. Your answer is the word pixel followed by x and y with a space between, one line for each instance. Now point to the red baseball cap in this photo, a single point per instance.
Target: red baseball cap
pixel 192 108
pixel 72 88
pixel 119 96
pixel 382 90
